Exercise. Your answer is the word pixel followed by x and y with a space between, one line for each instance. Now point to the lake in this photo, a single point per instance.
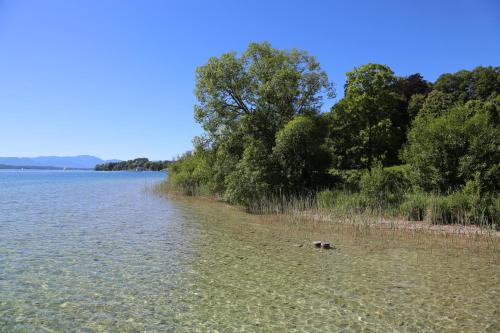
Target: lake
pixel 100 252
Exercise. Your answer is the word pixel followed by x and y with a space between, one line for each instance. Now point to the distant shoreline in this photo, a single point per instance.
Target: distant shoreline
pixel 129 170
pixel 138 164
pixel 49 168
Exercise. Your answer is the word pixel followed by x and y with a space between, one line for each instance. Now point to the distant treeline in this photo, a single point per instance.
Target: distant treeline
pixel 431 149
pixel 139 164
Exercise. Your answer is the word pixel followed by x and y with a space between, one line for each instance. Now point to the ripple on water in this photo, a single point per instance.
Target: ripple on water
pixel 96 252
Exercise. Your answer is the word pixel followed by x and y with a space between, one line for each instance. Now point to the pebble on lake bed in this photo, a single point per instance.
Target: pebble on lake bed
pixel 324 245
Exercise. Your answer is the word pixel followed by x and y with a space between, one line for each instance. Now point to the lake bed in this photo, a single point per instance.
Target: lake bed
pixel 95 252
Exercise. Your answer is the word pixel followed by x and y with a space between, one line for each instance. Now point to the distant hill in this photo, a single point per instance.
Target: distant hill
pixel 73 162
pixel 3 166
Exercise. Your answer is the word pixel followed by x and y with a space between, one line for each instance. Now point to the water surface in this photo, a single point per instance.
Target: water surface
pixel 98 252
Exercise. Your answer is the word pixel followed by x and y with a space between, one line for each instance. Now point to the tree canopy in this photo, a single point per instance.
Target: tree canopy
pixel 265 134
pixel 243 102
pixel 257 93
pixel 369 121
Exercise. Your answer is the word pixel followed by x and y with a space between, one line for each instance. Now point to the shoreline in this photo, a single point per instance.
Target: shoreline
pixel 311 217
pixel 400 224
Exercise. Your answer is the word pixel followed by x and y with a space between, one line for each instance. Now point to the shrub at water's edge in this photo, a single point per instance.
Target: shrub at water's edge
pixel 398 146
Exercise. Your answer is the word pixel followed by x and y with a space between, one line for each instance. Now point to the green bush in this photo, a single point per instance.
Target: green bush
pixel 384 186
pixel 191 174
pixel 300 155
pixel 342 202
pixel 484 206
pixel 439 211
pixel 465 207
pixel 181 176
pixel 347 180
pixel 494 210
pixel 250 181
pixel 450 209
pixel 326 199
pixel 414 206
pixel 446 151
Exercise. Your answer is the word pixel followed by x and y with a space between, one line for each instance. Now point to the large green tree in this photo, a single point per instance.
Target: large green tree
pixel 436 103
pixel 445 151
pixel 301 156
pixel 413 84
pixel 367 125
pixel 464 85
pixel 242 103
pixel 257 93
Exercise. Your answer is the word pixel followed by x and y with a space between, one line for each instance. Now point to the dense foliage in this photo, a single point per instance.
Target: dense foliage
pixel 138 164
pixel 391 141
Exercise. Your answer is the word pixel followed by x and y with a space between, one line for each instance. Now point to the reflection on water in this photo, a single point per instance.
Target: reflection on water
pixel 97 252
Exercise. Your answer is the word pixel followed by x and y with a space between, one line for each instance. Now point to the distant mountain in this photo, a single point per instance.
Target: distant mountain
pixel 3 166
pixel 76 162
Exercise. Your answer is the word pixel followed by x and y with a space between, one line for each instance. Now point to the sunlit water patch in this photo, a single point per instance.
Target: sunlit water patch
pixel 95 252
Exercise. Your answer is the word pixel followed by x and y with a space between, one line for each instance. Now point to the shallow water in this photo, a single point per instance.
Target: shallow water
pixel 95 252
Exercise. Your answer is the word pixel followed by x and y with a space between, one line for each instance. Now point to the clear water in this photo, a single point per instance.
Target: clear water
pixel 98 252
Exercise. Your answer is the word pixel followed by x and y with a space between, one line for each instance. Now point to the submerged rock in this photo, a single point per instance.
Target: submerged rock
pixel 326 245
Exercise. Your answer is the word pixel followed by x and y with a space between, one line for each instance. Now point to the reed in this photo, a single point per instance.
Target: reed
pixel 413 212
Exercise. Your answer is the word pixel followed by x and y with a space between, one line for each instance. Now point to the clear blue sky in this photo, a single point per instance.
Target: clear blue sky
pixel 115 78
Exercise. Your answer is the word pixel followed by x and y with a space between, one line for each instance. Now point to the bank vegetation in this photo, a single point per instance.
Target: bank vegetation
pixel 393 145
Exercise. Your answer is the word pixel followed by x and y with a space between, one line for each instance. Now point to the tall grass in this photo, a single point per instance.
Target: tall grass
pixel 363 208
pixel 167 188
pixel 435 209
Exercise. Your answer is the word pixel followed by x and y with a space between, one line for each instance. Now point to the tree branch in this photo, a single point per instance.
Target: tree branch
pixel 238 100
pixel 304 98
